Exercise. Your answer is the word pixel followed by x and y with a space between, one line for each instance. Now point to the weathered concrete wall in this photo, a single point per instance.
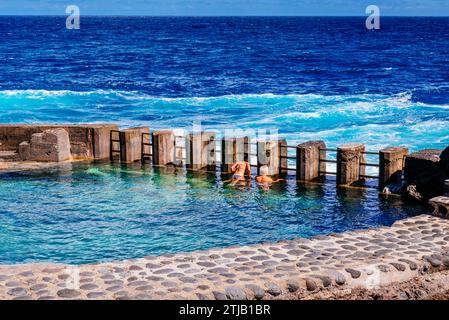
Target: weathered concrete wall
pixel 87 141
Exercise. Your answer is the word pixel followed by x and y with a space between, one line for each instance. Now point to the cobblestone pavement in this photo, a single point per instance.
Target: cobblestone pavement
pixel 358 259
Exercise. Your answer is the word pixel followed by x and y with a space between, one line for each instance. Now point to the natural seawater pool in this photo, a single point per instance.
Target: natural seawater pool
pixel 84 213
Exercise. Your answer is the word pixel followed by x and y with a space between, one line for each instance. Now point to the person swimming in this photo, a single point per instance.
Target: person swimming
pixel 241 172
pixel 264 177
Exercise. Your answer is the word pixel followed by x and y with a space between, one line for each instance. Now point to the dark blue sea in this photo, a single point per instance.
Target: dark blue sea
pixel 310 78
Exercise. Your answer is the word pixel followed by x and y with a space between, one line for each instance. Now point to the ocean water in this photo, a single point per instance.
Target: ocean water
pixel 328 78
pixel 84 213
pixel 309 78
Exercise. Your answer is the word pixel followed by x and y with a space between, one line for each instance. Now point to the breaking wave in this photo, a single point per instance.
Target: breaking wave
pixel 378 120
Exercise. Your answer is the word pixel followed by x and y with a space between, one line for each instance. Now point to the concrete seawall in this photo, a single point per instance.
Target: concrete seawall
pixel 87 141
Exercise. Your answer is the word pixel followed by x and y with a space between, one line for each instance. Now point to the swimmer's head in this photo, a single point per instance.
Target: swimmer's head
pixel 263 170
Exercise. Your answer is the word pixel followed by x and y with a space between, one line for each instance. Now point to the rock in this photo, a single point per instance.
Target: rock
pixel 327 281
pixel 95 295
pixel 383 268
pixel 444 160
pixel 201 296
pixel 398 266
pixel 419 162
pixel 52 145
pixel 88 286
pixel 68 293
pixel 258 292
pixel 292 286
pixel 440 206
pixel 354 273
pixel 435 262
pixel 234 293
pixel 17 292
pixel 340 279
pixel 412 265
pixel 446 262
pixel 311 285
pixel 135 268
pixel 206 264
pixel 219 295
pixel 425 172
pixel 273 289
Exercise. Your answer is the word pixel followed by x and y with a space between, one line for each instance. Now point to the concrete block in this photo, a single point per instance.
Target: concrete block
pixel 200 151
pixel 349 158
pixel 163 147
pixel 131 144
pixel 271 154
pixel 308 165
pixel 52 145
pixel 101 141
pixel 391 162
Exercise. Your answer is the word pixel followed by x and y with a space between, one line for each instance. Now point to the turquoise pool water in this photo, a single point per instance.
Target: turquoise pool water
pixel 83 213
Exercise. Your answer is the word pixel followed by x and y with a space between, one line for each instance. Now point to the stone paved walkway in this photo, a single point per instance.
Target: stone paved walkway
pixel 353 259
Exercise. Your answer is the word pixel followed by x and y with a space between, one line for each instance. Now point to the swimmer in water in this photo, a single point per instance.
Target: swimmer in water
pixel 264 177
pixel 241 172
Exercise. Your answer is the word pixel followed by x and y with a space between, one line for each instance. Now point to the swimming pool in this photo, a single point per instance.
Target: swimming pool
pixel 84 213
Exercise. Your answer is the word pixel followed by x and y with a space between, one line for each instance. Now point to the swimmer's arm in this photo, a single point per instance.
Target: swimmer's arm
pixel 248 170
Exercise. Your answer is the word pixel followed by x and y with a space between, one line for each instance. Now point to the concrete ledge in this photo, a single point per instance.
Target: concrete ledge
pixel 358 259
pixel 87 141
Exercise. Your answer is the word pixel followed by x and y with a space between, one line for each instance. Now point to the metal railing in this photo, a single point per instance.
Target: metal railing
pixel 112 142
pixel 147 155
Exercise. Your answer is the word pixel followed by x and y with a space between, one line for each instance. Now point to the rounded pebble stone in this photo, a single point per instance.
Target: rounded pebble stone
pixel 68 293
pixel 235 293
pixel 273 289
pixel 258 292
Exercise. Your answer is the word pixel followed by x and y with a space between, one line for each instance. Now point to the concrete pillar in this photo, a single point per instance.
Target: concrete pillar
pixel 131 144
pixel 200 151
pixel 391 161
pixel 308 165
pixel 349 158
pixel 270 153
pixel 102 141
pixel 163 147
pixel 233 150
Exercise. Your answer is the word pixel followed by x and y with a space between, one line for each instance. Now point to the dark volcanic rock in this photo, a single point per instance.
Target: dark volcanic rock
pixel 425 172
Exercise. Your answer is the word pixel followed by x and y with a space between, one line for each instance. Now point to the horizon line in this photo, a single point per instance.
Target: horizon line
pixel 224 16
